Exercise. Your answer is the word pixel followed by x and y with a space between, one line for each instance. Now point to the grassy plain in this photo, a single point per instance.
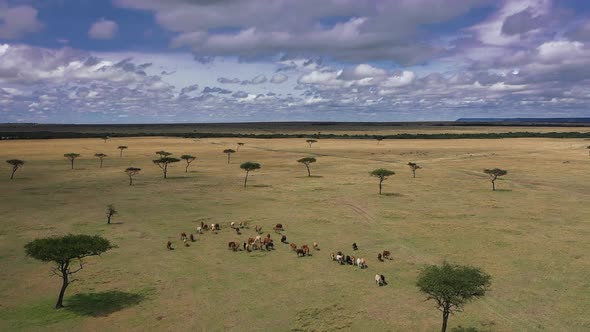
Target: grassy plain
pixel 532 235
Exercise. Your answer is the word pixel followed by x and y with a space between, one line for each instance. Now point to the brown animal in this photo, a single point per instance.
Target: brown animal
pixel 305 249
pixel 169 246
pixel 278 228
pixel 293 246
pixel 379 257
pixel 333 256
pixel 386 254
pixel 192 238
pixel 251 240
pixel 182 236
pixel 300 252
pixel 238 231
pixel 233 245
pixel 258 229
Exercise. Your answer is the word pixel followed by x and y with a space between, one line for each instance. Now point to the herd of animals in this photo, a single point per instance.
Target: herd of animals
pixel 267 243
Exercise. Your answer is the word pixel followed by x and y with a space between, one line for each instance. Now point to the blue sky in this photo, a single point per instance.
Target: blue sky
pixel 131 61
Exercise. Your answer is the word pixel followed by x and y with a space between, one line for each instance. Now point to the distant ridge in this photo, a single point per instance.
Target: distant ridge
pixel 526 120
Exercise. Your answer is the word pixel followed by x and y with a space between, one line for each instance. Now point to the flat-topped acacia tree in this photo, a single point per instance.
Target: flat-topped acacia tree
pixel 379 139
pixel 307 161
pixel 494 174
pixel 452 286
pixel 100 156
pixel 239 145
pixel 382 174
pixel 163 163
pixel 105 138
pixel 189 159
pixel 64 251
pixel 248 167
pixel 131 172
pixel 16 164
pixel 121 147
pixel 229 152
pixel 311 141
pixel 71 157
pixel 414 167
pixel 163 153
pixel 111 211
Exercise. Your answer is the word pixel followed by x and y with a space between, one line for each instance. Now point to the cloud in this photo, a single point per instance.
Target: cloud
pixel 258 79
pixel 17 21
pixel 279 78
pixel 103 29
pixel 224 80
pixel 216 90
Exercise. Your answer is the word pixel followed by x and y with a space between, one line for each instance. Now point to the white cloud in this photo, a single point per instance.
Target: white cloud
pixel 103 29
pixel 18 21
pixel 279 78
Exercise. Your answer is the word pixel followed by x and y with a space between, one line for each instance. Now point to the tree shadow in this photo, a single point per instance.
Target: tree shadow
pixel 505 190
pixel 307 177
pixel 392 194
pixel 102 304
pixel 260 186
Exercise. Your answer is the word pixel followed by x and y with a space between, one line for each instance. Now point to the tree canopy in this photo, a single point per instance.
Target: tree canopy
pixel 311 141
pixel 163 153
pixel 131 172
pixel 16 164
pixel 414 167
pixel 121 147
pixel 452 286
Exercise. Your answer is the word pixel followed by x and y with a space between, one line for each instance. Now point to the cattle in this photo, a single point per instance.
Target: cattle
pixel 200 230
pixel 205 227
pixel 300 252
pixel 182 236
pixel 233 245
pixel 268 235
pixel 354 246
pixel 293 246
pixel 380 280
pixel 169 246
pixel 217 227
pixel 255 246
pixel 245 245
pixel 333 256
pixel 340 259
pixel 348 260
pixel 305 249
pixel 360 262
pixel 258 239
pixel 243 224
pixel 232 224
pixel 278 228
pixel 284 239
pixel 250 240
pixel 269 245
pixel 386 254
pixel 258 229
pixel 379 257
pixel 186 244
pixel 192 238
pixel 238 231
pixel 316 246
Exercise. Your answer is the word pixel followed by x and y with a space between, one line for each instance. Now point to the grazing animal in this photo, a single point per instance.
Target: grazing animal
pixel 340 259
pixel 238 231
pixel 269 245
pixel 186 244
pixel 169 246
pixel 255 246
pixel 258 239
pixel 200 230
pixel 205 227
pixel 183 236
pixel 348 260
pixel 360 262
pixel 354 246
pixel 293 246
pixel 316 246
pixel 258 229
pixel 300 252
pixel 268 235
pixel 232 224
pixel 192 238
pixel 333 256
pixel 379 280
pixel 250 240
pixel 386 254
pixel 305 249
pixel 379 257
pixel 284 239
pixel 233 245
pixel 278 228
pixel 217 227
pixel 245 244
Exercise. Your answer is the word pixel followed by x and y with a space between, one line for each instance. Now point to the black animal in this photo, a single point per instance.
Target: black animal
pixel 354 246
pixel 284 239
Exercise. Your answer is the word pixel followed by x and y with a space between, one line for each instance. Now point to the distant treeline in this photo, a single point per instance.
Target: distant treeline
pixel 55 135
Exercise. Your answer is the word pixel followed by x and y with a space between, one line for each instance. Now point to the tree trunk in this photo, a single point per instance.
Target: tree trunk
pixel 380 182
pixel 308 171
pixel 64 285
pixel 414 173
pixel 130 180
pixel 228 158
pixel 493 185
pixel 121 153
pixel 109 219
pixel 246 179
pixel 165 170
pixel 445 320
pixel 186 168
pixel 13 171
pixel 101 163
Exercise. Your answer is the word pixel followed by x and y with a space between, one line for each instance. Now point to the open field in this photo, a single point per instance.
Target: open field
pixel 532 235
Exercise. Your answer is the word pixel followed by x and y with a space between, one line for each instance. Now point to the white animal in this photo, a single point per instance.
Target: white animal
pixel 339 258
pixel 378 280
pixel 360 262
pixel 200 230
pixel 233 224
pixel 258 239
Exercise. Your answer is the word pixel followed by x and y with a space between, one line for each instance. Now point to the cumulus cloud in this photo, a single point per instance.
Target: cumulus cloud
pixel 258 79
pixel 224 80
pixel 103 29
pixel 17 21
pixel 279 78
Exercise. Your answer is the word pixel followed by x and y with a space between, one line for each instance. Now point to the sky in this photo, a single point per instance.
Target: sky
pixel 174 61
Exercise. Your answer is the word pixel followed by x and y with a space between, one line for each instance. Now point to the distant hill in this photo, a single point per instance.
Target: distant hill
pixel 526 120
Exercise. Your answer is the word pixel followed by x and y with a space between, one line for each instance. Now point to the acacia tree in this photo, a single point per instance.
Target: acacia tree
pixel 311 141
pixel 163 163
pixel 189 159
pixel 163 153
pixel 451 286
pixel 71 157
pixel 307 161
pixel 64 251
pixel 494 173
pixel 110 212
pixel 121 147
pixel 379 139
pixel 414 167
pixel 16 164
pixel 229 152
pixel 239 144
pixel 105 138
pixel 100 156
pixel 382 174
pixel 131 172
pixel 249 166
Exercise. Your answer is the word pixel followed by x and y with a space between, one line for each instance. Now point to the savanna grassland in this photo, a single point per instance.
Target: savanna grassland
pixel 532 234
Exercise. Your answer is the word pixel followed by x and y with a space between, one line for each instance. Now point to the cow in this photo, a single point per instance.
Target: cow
pixel 233 245
pixel 245 244
pixel 217 227
pixel 293 246
pixel 360 262
pixel 278 228
pixel 200 230
pixel 354 246
pixel 243 224
pixel 379 257
pixel 182 236
pixel 169 246
pixel 186 244
pixel 316 246
pixel 386 254
pixel 258 239
pixel 255 246
pixel 340 259
pixel 348 260
pixel 258 229
pixel 192 238
pixel 232 224
pixel 269 245
pixel 250 240
pixel 284 239
pixel 300 252
pixel 305 249
pixel 205 227
pixel 333 256
pixel 380 280
pixel 238 231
